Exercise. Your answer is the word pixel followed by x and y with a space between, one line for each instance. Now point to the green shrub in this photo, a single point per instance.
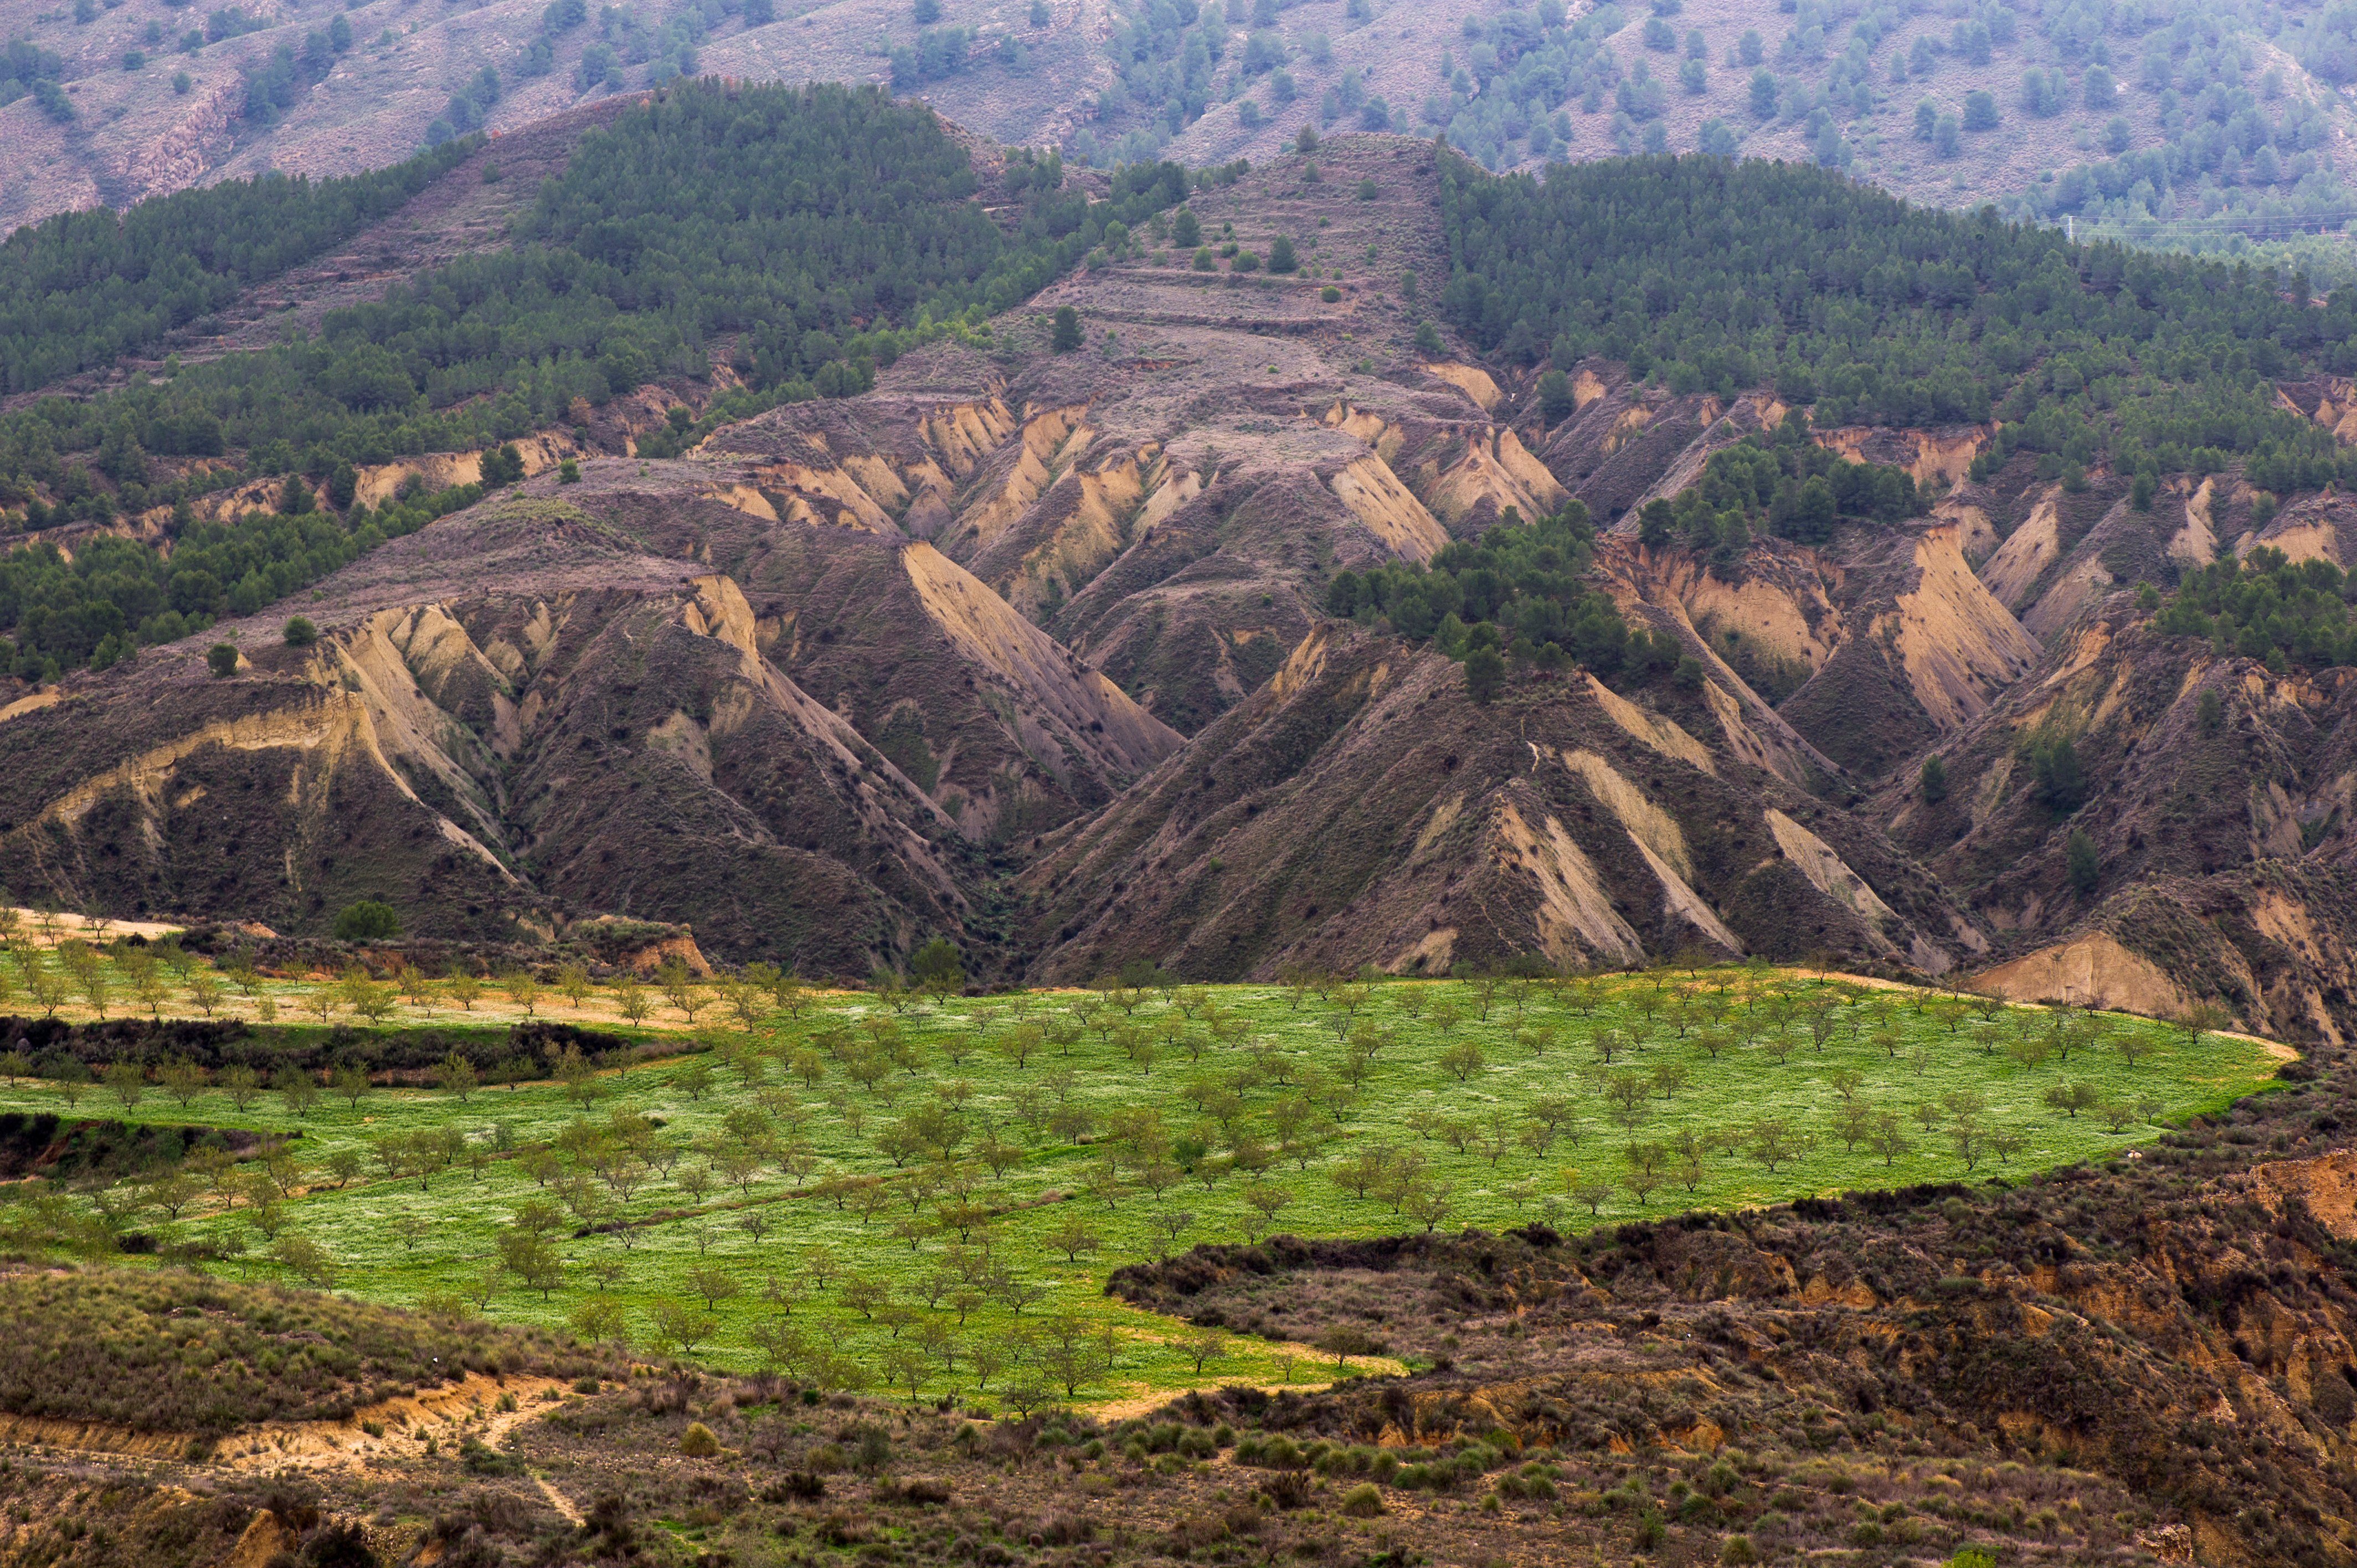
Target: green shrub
pixel 368 921
pixel 697 1442
pixel 299 632
pixel 221 659
pixel 477 1459
pixel 2086 867
pixel 1362 1501
pixel 114 1346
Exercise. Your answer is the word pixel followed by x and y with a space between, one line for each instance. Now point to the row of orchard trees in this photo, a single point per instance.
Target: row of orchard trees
pixel 1163 1112
pixel 131 976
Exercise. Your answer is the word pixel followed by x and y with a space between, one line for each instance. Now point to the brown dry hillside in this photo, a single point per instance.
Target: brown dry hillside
pixel 1172 500
pixel 547 708
pixel 1360 806
pixel 1028 648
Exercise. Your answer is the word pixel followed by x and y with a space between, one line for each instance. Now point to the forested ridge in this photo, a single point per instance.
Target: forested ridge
pixel 117 594
pixel 813 234
pixel 1705 275
pixel 822 230
pixel 82 288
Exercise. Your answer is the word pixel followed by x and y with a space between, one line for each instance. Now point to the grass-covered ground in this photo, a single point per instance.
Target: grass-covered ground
pixel 930 1195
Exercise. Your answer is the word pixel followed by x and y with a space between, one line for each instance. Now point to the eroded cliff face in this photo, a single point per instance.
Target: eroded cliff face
pixel 548 709
pixel 1360 806
pixel 2220 844
pixel 1182 548
pixel 1006 603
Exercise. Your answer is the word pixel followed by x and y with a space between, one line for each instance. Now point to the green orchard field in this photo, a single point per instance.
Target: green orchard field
pixel 929 1195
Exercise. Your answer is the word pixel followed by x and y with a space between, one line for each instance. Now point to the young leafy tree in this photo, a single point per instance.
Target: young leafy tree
pixel 454 1074
pixel 126 1081
pixel 573 980
pixel 1265 1200
pixel 1772 1142
pixel 350 1080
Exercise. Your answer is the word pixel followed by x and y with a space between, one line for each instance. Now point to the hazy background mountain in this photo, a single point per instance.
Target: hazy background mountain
pixel 2188 124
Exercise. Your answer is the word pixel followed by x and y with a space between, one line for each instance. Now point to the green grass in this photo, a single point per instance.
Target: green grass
pixel 1932 1051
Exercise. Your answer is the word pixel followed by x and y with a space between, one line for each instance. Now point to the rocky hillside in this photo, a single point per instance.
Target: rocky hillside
pixel 2137 121
pixel 1032 647
pixel 568 704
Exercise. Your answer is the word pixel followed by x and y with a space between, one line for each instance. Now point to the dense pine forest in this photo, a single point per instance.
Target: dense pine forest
pixel 84 288
pixel 1713 275
pixel 830 227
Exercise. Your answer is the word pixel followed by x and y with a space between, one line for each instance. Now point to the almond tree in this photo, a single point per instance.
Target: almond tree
pixel 182 1080
pixel 1266 1200
pixel 2200 1018
pixel 454 1074
pixel 1203 1347
pixel 243 1084
pixel 522 987
pixel 1428 1206
pixel 1888 1139
pixel 1853 1121
pixel 1772 1141
pixel 1686 1152
pixel 306 1260
pixel 126 1081
pixel 350 1080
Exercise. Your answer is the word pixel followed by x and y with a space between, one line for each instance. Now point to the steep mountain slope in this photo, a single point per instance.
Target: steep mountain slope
pixel 1362 807
pixel 1030 646
pixel 1868 646
pixel 1172 500
pixel 552 708
pixel 330 109
pixel 2212 793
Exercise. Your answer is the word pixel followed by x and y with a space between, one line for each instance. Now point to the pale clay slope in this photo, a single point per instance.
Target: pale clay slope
pixel 1036 495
